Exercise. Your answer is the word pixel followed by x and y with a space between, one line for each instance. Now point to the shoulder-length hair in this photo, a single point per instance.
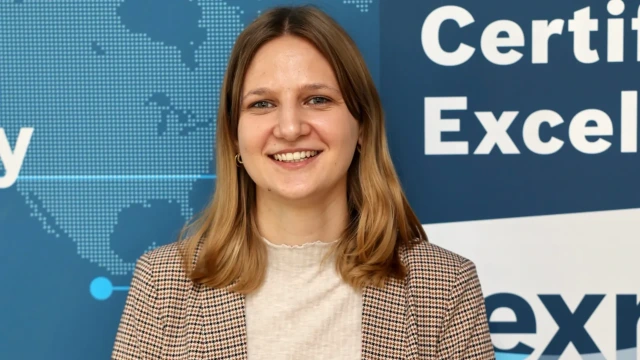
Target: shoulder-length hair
pixel 223 247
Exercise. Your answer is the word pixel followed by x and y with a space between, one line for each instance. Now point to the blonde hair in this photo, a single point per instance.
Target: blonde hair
pixel 222 247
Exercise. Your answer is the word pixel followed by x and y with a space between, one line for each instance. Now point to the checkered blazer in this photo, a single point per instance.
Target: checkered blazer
pixel 438 312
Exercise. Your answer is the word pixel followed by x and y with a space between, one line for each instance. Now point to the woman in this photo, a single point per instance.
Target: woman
pixel 309 249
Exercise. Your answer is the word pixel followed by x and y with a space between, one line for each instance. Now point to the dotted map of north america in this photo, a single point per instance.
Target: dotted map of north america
pixel 121 96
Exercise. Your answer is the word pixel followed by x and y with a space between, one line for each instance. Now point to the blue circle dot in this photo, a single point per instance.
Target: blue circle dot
pixel 101 288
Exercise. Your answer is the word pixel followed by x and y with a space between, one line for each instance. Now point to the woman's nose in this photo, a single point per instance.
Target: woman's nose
pixel 291 123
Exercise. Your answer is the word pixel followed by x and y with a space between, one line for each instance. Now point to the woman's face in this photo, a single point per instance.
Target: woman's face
pixel 295 134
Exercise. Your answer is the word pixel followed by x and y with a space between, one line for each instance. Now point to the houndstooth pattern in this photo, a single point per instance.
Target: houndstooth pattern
pixel 437 313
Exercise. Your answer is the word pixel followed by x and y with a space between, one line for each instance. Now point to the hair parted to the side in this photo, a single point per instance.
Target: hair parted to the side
pixel 222 246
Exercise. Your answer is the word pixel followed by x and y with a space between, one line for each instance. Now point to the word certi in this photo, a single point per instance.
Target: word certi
pixel 571 324
pixel 586 131
pixel 500 38
pixel 12 160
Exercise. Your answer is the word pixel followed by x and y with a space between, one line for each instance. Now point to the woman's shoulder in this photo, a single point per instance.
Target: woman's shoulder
pixel 163 263
pixel 168 254
pixel 447 303
pixel 428 262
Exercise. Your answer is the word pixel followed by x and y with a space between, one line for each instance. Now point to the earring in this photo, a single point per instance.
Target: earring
pixel 238 160
pixel 359 148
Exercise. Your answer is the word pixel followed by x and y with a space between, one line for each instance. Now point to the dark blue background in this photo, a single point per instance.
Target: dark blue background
pixel 446 188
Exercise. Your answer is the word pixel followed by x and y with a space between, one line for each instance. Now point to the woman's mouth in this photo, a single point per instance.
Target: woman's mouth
pixel 294 157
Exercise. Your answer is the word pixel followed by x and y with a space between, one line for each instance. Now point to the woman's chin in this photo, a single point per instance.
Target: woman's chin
pixel 296 195
pixel 290 193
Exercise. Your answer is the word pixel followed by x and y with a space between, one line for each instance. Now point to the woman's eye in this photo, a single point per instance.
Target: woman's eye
pixel 261 104
pixel 318 100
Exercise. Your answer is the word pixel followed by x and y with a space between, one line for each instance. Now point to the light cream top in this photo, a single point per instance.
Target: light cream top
pixel 303 310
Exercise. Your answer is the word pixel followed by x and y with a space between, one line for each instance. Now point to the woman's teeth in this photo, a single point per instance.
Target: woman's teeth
pixel 295 156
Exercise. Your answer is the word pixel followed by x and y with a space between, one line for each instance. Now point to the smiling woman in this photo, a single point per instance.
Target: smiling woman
pixel 309 248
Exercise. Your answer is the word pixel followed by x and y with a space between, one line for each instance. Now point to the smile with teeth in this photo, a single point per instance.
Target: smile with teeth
pixel 295 156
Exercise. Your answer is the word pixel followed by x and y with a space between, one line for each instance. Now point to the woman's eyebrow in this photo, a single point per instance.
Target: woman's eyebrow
pixel 313 86
pixel 258 91
pixel 318 86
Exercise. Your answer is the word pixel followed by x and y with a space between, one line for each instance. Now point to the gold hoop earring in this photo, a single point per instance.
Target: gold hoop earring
pixel 359 148
pixel 238 160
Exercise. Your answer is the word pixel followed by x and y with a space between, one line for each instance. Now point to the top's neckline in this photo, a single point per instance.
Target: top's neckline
pixel 295 257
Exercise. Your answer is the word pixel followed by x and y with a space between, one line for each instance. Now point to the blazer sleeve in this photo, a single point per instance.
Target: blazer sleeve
pixel 140 329
pixel 466 328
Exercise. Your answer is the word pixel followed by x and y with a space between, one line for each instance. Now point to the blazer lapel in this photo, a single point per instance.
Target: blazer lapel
pixel 384 317
pixel 217 324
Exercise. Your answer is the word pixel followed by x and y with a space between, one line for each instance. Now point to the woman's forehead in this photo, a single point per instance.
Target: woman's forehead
pixel 290 58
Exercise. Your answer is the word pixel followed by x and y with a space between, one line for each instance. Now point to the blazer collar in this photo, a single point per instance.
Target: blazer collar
pixel 217 323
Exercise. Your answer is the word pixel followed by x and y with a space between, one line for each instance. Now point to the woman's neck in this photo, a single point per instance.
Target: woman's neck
pixel 297 223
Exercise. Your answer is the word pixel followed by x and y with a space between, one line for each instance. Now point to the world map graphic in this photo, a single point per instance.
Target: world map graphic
pixel 122 97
